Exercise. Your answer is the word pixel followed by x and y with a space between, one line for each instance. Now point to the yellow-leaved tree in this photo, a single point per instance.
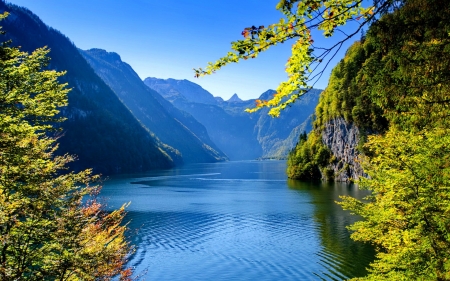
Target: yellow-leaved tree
pixel 307 61
pixel 47 231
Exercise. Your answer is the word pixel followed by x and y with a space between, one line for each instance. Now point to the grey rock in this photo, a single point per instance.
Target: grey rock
pixel 342 139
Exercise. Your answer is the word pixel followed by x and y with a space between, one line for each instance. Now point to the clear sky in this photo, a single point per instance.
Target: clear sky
pixel 167 38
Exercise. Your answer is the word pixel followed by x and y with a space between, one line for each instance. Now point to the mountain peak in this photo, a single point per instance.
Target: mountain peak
pixel 187 89
pixel 235 98
pixel 267 95
pixel 104 54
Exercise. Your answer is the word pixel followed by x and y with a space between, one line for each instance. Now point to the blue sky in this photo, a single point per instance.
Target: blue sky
pixel 166 39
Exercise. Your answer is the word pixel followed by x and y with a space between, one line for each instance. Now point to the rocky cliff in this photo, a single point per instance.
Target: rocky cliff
pixel 342 139
pixel 343 118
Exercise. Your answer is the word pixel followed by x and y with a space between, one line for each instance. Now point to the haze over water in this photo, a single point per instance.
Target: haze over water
pixel 237 221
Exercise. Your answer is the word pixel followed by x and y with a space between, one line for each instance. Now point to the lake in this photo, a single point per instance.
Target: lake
pixel 237 220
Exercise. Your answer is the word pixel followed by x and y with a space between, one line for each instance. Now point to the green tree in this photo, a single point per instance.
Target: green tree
pixel 407 217
pixel 47 231
pixel 407 75
pixel 309 158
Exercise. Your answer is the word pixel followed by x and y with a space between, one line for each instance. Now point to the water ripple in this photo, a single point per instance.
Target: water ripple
pixel 213 224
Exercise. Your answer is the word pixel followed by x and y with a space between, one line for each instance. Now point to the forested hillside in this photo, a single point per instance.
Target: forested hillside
pixel 387 106
pixel 372 87
pixel 344 116
pixel 99 129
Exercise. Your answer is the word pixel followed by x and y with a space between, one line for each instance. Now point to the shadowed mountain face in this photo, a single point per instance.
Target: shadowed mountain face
pixel 239 134
pixel 99 129
pixel 172 126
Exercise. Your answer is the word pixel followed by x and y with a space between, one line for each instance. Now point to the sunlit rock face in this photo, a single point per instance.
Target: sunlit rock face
pixel 342 139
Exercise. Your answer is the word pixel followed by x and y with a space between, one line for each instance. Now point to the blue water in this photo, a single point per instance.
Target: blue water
pixel 237 221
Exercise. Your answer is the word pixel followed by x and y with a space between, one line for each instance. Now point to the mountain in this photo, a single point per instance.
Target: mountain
pixel 172 89
pixel 239 134
pixel 172 126
pixel 233 133
pixel 235 98
pixel 219 99
pixel 99 129
pixel 278 136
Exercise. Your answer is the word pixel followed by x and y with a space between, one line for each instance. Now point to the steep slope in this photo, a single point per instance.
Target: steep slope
pixel 239 134
pixel 278 136
pixel 172 126
pixel 344 117
pixel 100 129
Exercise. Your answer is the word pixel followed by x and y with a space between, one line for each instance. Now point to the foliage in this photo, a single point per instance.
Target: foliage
pixel 408 72
pixel 299 19
pixel 408 214
pixel 308 158
pixel 47 232
pixel 346 93
pixel 399 72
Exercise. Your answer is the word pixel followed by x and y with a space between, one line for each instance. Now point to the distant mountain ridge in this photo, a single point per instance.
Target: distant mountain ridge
pixel 172 126
pixel 181 123
pixel 172 89
pixel 239 134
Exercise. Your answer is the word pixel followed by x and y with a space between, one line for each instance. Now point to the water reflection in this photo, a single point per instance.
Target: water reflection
pixel 350 258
